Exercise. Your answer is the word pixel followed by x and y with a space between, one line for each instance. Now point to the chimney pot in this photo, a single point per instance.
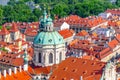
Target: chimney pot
pixel 10 71
pixel 15 70
pixel 25 67
pixel 4 73
pixel 20 68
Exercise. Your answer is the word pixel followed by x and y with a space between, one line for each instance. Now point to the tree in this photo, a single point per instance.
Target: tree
pixel 18 12
pixel 1 15
pixel 37 12
pixel 118 3
pixel 60 9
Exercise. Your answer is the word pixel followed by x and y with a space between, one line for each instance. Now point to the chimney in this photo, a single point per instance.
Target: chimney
pixel 4 73
pixel 25 67
pixel 20 68
pixel 10 71
pixel 15 70
pixel 81 77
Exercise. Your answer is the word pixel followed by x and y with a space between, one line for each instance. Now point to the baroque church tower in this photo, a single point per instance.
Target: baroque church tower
pixel 49 45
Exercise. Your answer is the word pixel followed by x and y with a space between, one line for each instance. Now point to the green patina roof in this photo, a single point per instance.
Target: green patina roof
pixel 48 38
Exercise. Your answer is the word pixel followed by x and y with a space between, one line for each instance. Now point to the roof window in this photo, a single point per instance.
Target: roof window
pixel 84 62
pixel 63 78
pixel 53 77
pixel 50 40
pixel 74 60
pixel 100 64
pixel 65 68
pixel 84 72
pixel 74 70
pixel 93 63
pixel 93 73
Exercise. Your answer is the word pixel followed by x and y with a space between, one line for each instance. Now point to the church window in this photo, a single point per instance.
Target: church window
pixel 50 58
pixel 59 39
pixel 40 57
pixel 50 40
pixel 39 40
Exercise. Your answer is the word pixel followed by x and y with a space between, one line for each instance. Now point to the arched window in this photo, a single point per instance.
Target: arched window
pixel 60 56
pixel 40 57
pixel 50 58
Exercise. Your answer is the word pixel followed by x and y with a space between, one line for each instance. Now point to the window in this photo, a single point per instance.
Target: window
pixel 50 58
pixel 60 57
pixel 39 40
pixel 40 57
pixel 50 40
pixel 60 39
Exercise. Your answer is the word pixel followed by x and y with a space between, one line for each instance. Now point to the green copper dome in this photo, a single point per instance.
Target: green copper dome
pixel 48 38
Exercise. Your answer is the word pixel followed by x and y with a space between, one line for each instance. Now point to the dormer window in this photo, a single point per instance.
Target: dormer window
pixel 50 40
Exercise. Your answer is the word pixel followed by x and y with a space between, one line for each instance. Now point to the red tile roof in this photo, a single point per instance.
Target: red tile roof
pixel 82 33
pixel 14 27
pixel 31 32
pixel 105 52
pixel 24 75
pixel 39 70
pixel 2 43
pixel 4 31
pixel 66 33
pixel 90 58
pixel 111 23
pixel 113 11
pixel 11 59
pixel 112 44
pixel 90 21
pixel 118 37
pixel 73 68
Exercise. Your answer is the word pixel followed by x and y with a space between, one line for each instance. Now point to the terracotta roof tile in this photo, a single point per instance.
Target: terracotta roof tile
pixel 82 33
pixel 10 59
pixel 118 37
pixel 4 31
pixel 66 33
pixel 105 52
pixel 113 11
pixel 31 32
pixel 90 58
pixel 18 61
pixel 14 27
pixel 18 76
pixel 112 44
pixel 90 21
pixel 88 69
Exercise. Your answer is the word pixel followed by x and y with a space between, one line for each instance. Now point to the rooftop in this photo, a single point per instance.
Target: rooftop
pixel 77 67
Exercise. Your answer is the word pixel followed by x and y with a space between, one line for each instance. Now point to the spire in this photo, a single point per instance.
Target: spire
pixel 43 20
pixel 46 23
pixel 44 14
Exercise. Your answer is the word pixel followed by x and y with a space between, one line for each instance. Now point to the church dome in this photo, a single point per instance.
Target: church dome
pixel 49 19
pixel 48 38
